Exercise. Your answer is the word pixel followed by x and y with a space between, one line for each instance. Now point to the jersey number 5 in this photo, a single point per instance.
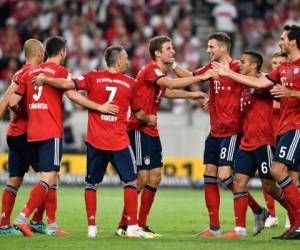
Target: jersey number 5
pixel 113 91
pixel 38 95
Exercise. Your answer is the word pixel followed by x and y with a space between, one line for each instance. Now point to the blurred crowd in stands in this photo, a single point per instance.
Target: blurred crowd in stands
pixel 91 25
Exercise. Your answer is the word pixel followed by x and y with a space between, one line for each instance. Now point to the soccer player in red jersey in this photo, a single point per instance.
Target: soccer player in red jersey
pixel 256 148
pixel 153 83
pixel 224 138
pixel 287 154
pixel 107 139
pixel 277 59
pixel 19 157
pixel 44 132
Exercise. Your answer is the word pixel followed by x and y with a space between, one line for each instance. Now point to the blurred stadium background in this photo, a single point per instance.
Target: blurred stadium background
pixel 91 26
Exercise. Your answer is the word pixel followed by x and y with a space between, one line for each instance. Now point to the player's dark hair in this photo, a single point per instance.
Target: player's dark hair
pixel 221 37
pixel 293 33
pixel 112 54
pixel 156 44
pixel 255 58
pixel 54 45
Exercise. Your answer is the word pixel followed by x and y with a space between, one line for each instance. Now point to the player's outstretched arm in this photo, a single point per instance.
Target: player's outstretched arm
pixel 82 100
pixel 183 82
pixel 149 120
pixel 58 83
pixel 180 94
pixel 180 71
pixel 4 102
pixel 255 82
pixel 280 91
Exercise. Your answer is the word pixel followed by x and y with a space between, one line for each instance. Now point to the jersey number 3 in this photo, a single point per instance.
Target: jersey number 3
pixel 38 95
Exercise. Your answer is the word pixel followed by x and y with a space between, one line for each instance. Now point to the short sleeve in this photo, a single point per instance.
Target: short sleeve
pixel 21 82
pixel 153 74
pixel 81 82
pixel 201 70
pixel 274 75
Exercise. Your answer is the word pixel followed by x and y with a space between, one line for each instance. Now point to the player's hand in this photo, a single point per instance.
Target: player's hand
pixel 211 73
pixel 198 95
pixel 221 69
pixel 204 104
pixel 152 120
pixel 109 108
pixel 279 91
pixel 39 80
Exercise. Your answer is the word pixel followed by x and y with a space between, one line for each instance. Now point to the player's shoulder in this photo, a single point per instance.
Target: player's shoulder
pixel 234 64
pixel 152 67
pixel 128 78
pixel 22 71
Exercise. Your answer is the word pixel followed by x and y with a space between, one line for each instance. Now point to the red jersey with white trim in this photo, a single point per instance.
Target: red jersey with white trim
pixel 44 103
pixel 257 122
pixel 18 123
pixel 149 93
pixel 288 75
pixel 108 132
pixel 224 103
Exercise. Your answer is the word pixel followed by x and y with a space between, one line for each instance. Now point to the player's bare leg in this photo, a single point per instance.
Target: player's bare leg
pixel 212 201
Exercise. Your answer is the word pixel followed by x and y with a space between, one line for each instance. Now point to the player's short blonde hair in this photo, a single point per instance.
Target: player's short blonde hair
pixel 31 47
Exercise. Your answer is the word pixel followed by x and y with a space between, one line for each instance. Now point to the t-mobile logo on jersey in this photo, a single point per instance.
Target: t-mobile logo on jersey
pixel 217 86
pixel 284 81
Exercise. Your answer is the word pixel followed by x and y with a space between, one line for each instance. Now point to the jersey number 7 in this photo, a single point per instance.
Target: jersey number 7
pixel 113 91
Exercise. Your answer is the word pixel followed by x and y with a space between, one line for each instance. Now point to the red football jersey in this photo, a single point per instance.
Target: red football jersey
pixel 275 120
pixel 108 132
pixel 257 122
pixel 288 75
pixel 18 123
pixel 44 103
pixel 224 103
pixel 150 95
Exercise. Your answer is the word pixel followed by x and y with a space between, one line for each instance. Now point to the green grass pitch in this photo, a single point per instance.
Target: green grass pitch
pixel 177 214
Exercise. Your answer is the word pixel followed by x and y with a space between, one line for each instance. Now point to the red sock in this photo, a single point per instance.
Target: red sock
pixel 37 196
pixel 291 214
pixel 38 215
pixel 123 221
pixel 240 201
pixel 292 196
pixel 8 201
pixel 130 204
pixel 270 202
pixel 212 200
pixel 253 204
pixel 147 198
pixel 51 205
pixel 90 196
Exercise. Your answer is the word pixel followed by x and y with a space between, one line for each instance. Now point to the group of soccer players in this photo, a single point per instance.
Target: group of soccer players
pixel 242 138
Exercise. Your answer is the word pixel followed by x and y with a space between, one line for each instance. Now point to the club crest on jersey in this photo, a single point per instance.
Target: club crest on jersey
pixel 147 160
pixel 296 71
pixel 158 72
